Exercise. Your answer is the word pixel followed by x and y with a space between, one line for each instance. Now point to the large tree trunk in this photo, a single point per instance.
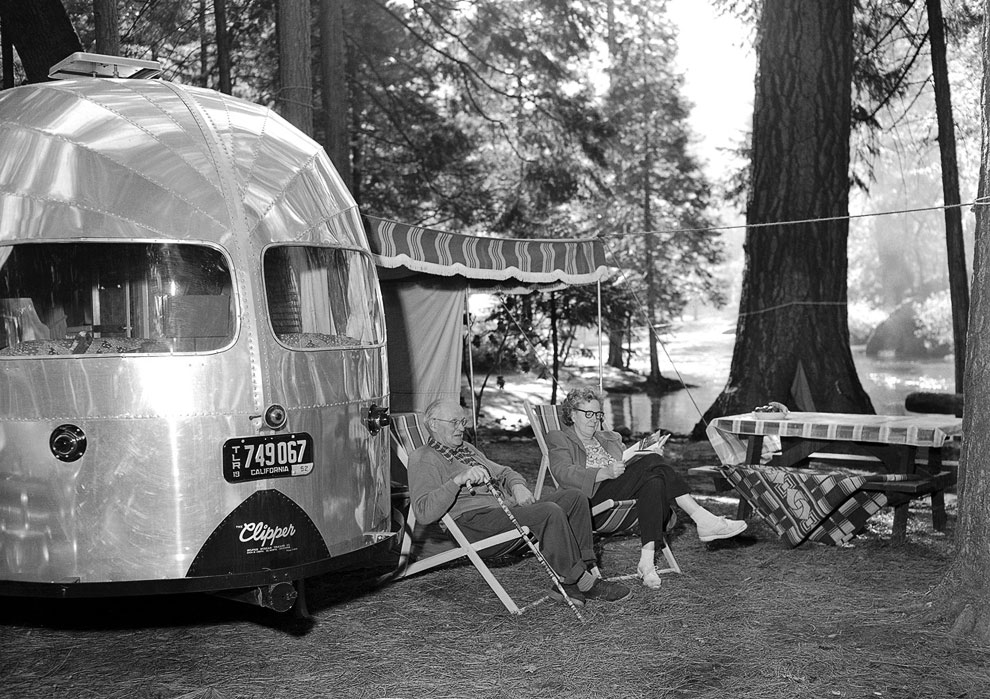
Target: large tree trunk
pixel 336 103
pixel 204 48
pixel 223 46
pixel 7 51
pixel 105 18
pixel 40 32
pixel 295 94
pixel 654 377
pixel 792 312
pixel 965 592
pixel 615 348
pixel 955 251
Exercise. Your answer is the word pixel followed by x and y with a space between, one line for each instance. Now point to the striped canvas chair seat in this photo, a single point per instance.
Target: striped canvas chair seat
pixel 408 432
pixel 609 516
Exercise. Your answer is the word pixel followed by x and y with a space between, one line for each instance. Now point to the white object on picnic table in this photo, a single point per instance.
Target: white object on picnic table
pixel 771 411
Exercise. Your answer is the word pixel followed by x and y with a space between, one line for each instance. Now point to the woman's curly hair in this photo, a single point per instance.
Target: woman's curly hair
pixel 573 398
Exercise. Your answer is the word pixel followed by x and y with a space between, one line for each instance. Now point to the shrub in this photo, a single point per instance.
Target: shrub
pixel 934 321
pixel 863 319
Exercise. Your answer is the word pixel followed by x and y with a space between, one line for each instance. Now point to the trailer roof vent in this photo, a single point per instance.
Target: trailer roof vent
pixel 97 65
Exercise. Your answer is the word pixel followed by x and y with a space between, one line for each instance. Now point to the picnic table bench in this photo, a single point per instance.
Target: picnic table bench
pixel 898 493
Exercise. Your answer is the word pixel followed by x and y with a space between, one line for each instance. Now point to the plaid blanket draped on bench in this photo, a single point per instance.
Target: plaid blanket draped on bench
pixel 805 504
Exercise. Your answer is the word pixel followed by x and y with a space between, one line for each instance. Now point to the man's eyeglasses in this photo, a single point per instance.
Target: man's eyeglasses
pixel 460 422
pixel 590 414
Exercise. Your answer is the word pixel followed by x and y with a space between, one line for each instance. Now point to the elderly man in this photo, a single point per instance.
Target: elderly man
pixel 446 475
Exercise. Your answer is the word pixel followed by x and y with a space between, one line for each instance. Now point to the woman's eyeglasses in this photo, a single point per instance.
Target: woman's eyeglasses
pixel 460 422
pixel 591 414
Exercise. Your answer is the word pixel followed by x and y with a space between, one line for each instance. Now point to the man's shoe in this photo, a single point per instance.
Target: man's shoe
pixel 721 528
pixel 608 591
pixel 577 597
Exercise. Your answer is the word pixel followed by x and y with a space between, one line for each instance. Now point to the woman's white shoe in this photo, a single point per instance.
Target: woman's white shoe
pixel 651 578
pixel 720 528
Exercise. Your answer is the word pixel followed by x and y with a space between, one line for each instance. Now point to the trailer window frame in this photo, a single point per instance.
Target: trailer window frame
pixel 338 327
pixel 116 310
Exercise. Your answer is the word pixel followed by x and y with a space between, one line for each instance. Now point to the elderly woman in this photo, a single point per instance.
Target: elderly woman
pixel 588 457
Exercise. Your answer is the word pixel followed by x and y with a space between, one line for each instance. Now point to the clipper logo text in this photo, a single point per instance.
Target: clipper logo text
pixel 265 534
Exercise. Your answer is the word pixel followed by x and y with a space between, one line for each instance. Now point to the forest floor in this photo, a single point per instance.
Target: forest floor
pixel 749 618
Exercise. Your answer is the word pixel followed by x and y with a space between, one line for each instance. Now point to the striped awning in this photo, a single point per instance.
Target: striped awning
pixel 556 262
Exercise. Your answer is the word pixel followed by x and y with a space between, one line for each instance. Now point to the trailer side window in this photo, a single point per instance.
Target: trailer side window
pixel 113 298
pixel 322 298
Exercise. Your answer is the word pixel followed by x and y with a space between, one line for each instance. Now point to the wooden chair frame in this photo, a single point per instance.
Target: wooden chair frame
pixel 609 516
pixel 408 433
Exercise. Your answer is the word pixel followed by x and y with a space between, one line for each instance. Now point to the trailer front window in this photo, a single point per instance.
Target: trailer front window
pixel 113 298
pixel 322 297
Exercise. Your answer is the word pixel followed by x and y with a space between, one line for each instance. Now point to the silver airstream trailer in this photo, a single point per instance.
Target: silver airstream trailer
pixel 192 361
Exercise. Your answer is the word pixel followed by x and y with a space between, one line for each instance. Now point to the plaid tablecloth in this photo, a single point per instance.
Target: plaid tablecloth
pixel 804 504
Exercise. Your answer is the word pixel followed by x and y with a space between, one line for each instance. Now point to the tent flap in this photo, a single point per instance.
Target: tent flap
pixel 539 262
pixel 425 336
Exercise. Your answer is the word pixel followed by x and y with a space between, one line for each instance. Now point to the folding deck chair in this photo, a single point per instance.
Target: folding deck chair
pixel 408 433
pixel 609 516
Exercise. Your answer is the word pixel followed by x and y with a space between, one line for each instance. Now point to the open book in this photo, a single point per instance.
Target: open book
pixel 651 444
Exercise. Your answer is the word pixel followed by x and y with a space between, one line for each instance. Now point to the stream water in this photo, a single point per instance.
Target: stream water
pixel 700 351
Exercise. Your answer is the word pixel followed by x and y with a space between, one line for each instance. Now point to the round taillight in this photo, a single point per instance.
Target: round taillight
pixel 67 443
pixel 276 416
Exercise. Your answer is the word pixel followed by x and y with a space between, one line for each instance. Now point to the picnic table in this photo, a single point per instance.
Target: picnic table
pixel 818 504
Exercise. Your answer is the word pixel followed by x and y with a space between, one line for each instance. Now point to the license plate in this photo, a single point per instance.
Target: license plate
pixel 267 456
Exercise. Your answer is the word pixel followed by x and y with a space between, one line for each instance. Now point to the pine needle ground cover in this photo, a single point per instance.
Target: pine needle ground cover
pixel 759 620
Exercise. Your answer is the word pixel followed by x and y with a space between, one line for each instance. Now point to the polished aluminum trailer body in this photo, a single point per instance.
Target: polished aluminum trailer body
pixel 192 346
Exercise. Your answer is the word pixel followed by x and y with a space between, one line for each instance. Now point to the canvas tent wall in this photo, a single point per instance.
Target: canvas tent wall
pixel 425 277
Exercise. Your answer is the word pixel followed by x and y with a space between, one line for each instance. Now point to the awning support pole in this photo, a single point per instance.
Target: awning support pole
pixel 601 370
pixel 467 340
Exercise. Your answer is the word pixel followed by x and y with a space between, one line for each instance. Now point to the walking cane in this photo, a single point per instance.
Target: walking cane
pixel 496 491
